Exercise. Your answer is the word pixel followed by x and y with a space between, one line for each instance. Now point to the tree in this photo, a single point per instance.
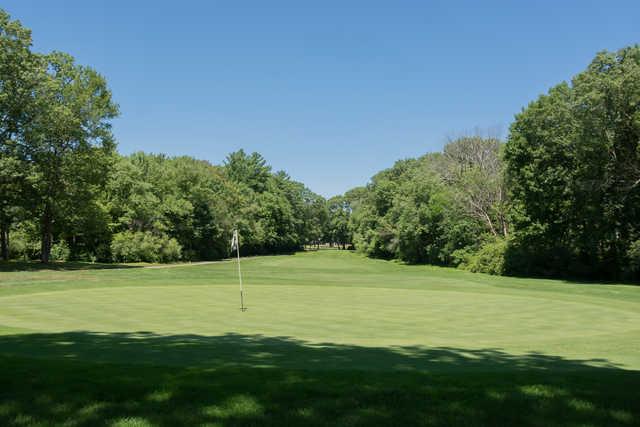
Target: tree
pixel 19 75
pixel 68 144
pixel 11 178
pixel 251 170
pixel 426 210
pixel 473 166
pixel 573 164
pixel 338 223
pixel 181 197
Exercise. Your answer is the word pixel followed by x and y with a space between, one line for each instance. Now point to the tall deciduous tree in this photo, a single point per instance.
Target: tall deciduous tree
pixel 574 169
pixel 68 143
pixel 338 223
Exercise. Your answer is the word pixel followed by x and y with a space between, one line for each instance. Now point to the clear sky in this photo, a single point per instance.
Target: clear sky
pixel 330 91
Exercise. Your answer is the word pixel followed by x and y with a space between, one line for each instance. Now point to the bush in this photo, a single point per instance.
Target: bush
pixel 633 254
pixel 488 258
pixel 23 246
pixel 140 246
pixel 60 251
pixel 170 250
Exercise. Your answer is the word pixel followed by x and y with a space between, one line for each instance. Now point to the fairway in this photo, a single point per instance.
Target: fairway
pixel 311 316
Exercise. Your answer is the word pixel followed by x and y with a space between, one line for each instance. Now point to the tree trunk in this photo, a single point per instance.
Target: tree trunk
pixel 47 228
pixel 505 228
pixel 4 241
pixel 489 223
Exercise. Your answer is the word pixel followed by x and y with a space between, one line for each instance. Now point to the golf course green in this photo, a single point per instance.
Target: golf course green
pixel 329 338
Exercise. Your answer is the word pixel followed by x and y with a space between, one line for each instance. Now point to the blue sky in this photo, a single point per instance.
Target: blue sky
pixel 330 91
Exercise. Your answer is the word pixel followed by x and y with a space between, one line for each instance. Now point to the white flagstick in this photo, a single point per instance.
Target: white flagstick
pixel 236 239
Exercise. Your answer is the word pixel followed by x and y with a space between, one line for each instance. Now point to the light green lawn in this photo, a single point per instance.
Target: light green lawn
pixel 324 312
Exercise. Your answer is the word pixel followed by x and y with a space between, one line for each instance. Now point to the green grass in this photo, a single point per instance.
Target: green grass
pixel 330 338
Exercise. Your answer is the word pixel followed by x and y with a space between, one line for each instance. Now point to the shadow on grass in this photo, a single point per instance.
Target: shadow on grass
pixel 11 266
pixel 85 378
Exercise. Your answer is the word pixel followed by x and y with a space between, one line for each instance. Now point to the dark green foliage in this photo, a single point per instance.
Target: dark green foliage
pixel 19 71
pixel 60 251
pixel 24 243
pixel 573 164
pixel 68 145
pixel 633 257
pixel 55 137
pixel 570 203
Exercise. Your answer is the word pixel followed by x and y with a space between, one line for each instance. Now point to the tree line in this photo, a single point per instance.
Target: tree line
pixel 559 197
pixel 65 193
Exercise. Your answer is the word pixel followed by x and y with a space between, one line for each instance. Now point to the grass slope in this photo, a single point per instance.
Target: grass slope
pixel 330 338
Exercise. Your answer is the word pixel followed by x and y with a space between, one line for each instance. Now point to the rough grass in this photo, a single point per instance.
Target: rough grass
pixel 330 338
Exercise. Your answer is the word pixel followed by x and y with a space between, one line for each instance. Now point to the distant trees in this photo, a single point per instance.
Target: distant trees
pixel 156 208
pixel 180 198
pixel 273 212
pixel 337 224
pixel 198 205
pixel 431 208
pixel 316 217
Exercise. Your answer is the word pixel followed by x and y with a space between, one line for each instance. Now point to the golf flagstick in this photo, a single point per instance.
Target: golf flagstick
pixel 235 244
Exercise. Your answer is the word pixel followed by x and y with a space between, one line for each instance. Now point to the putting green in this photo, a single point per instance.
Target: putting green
pixel 290 297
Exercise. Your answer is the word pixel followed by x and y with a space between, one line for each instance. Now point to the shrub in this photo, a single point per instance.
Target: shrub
pixel 140 246
pixel 488 258
pixel 23 246
pixel 633 254
pixel 170 250
pixel 460 257
pixel 60 251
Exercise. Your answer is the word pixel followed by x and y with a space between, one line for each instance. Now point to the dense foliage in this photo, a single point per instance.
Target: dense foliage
pixel 434 209
pixel 158 209
pixel 573 161
pixel 560 197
